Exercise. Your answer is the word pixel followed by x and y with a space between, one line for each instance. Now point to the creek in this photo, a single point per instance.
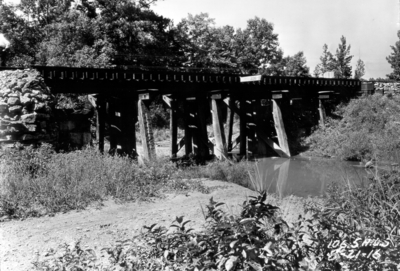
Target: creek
pixel 301 176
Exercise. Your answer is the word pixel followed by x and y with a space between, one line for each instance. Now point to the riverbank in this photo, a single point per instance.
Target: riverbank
pixel 101 226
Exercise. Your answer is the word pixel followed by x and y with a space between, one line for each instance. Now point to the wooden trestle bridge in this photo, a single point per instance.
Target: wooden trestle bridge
pixel 123 97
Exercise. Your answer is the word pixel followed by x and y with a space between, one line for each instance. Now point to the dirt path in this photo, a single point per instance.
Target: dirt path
pixel 21 242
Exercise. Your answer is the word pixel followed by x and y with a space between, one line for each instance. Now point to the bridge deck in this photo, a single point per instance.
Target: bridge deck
pixel 90 80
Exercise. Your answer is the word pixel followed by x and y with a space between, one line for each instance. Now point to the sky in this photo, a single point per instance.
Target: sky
pixel 369 26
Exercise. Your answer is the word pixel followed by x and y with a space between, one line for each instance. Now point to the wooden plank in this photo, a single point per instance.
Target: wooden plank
pixel 218 127
pixel 230 118
pixel 250 78
pixel 322 114
pixel 280 128
pixel 173 128
pixel 146 132
pixel 100 121
pixel 113 128
pixel 243 136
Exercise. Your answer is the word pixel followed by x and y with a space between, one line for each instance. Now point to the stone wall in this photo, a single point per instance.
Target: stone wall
pixel 26 108
pixel 30 114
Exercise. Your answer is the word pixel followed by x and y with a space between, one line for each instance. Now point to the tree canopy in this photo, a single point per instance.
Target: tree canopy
pixel 394 60
pixel 338 63
pixel 125 33
pixel 360 69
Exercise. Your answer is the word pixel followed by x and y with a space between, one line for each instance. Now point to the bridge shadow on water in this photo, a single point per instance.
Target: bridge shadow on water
pixel 305 177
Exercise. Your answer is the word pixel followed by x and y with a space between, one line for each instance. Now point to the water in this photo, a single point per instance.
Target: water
pixel 306 177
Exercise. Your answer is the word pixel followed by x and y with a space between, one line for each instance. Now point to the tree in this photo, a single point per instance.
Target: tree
pixel 360 69
pixel 197 36
pixel 258 46
pixel 341 60
pixel 394 60
pixel 326 62
pixel 251 50
pixel 296 65
pixel 94 33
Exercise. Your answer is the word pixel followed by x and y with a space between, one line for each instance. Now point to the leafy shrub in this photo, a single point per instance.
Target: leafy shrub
pixel 370 212
pixel 367 128
pixel 257 239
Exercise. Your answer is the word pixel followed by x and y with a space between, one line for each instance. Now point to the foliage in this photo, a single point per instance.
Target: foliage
pixel 342 60
pixel 339 62
pixel 86 34
pixel 360 69
pixel 159 114
pixel 296 66
pixel 326 62
pixel 394 60
pixel 356 215
pixel 250 50
pixel 367 127
pixel 40 181
pixel 257 239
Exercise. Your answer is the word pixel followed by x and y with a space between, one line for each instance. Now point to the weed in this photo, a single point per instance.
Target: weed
pixel 257 239
pixel 39 181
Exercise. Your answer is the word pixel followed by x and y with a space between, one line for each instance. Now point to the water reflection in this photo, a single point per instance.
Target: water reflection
pixel 304 177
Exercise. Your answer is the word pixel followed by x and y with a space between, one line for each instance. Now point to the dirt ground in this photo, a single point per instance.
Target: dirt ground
pixel 22 242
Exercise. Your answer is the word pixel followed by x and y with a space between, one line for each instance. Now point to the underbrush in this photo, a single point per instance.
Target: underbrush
pixel 256 239
pixel 353 229
pixel 367 127
pixel 39 181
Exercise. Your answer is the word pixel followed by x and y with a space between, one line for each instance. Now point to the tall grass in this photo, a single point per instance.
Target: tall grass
pixel 38 181
pixel 220 170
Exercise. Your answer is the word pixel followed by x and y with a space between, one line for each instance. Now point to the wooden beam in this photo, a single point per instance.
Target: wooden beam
pixel 251 129
pixel 113 124
pixel 146 131
pixel 180 144
pixel 243 136
pixel 218 127
pixel 128 120
pixel 261 135
pixel 202 109
pixel 100 121
pixel 322 114
pixel 262 148
pixel 230 119
pixel 188 132
pixel 173 128
pixel 280 128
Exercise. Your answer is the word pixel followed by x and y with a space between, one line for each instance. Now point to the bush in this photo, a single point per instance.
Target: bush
pixel 257 239
pixel 354 215
pixel 40 181
pixel 367 128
